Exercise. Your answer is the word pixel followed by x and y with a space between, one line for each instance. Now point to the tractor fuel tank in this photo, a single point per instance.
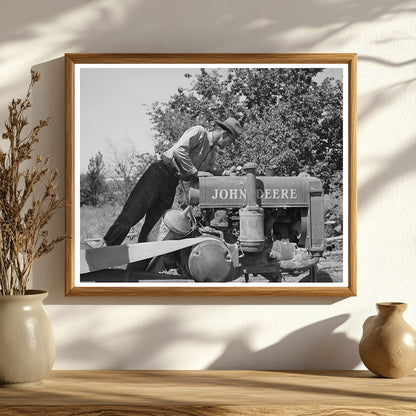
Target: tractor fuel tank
pixel 209 261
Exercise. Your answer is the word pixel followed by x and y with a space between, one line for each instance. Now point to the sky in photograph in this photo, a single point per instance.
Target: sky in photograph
pixel 113 105
pixel 114 102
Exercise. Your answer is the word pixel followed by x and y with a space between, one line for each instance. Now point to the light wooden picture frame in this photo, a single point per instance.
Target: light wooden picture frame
pixel 298 118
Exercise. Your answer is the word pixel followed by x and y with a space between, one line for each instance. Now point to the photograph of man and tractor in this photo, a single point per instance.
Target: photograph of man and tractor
pixel 244 185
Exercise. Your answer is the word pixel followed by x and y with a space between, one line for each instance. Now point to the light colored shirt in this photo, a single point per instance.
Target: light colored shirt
pixel 194 151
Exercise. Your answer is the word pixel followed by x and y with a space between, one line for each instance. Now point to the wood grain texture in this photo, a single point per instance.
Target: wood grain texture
pixel 206 291
pixel 352 175
pixel 177 58
pixel 69 173
pixel 201 289
pixel 213 393
pixel 257 410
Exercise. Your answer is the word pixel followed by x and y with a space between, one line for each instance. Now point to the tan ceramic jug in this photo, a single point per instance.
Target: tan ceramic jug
pixel 388 345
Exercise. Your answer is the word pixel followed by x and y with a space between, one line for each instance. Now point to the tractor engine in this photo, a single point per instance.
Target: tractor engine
pixel 259 225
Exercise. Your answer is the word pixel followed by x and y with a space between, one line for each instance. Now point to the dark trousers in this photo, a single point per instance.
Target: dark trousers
pixel 153 194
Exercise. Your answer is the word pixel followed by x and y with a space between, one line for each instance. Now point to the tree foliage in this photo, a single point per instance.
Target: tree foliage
pixel 291 123
pixel 93 185
pixel 99 187
pixel 128 166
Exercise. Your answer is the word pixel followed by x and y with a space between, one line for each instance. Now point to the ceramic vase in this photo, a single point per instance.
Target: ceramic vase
pixel 388 345
pixel 27 347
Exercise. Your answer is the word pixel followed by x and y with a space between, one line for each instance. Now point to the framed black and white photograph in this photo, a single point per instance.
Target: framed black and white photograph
pixel 211 174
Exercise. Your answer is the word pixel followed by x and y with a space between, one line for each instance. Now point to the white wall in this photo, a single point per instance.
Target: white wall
pixel 202 333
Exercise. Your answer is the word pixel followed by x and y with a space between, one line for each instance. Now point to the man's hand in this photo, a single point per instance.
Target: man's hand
pixel 233 171
pixel 202 174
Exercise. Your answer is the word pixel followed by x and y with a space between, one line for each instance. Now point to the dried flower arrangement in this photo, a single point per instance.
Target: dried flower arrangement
pixel 28 199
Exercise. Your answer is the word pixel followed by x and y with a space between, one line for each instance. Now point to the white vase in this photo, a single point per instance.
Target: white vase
pixel 27 346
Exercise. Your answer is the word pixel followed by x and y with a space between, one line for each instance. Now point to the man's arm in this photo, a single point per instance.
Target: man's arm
pixel 181 151
pixel 202 173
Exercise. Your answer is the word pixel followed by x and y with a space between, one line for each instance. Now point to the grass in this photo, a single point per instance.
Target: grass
pixel 95 222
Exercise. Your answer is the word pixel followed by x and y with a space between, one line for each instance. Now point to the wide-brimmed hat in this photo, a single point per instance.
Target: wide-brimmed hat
pixel 231 125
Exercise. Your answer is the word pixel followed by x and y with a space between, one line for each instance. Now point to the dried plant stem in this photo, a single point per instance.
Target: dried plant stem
pixel 23 217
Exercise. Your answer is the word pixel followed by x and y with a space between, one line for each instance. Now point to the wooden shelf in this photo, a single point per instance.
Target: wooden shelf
pixel 253 393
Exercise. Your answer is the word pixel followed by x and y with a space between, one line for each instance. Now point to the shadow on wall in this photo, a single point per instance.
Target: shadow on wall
pixel 143 347
pixel 115 25
pixel 105 26
pixel 155 22
pixel 314 347
pixel 391 170
pixel 152 345
pixel 48 99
